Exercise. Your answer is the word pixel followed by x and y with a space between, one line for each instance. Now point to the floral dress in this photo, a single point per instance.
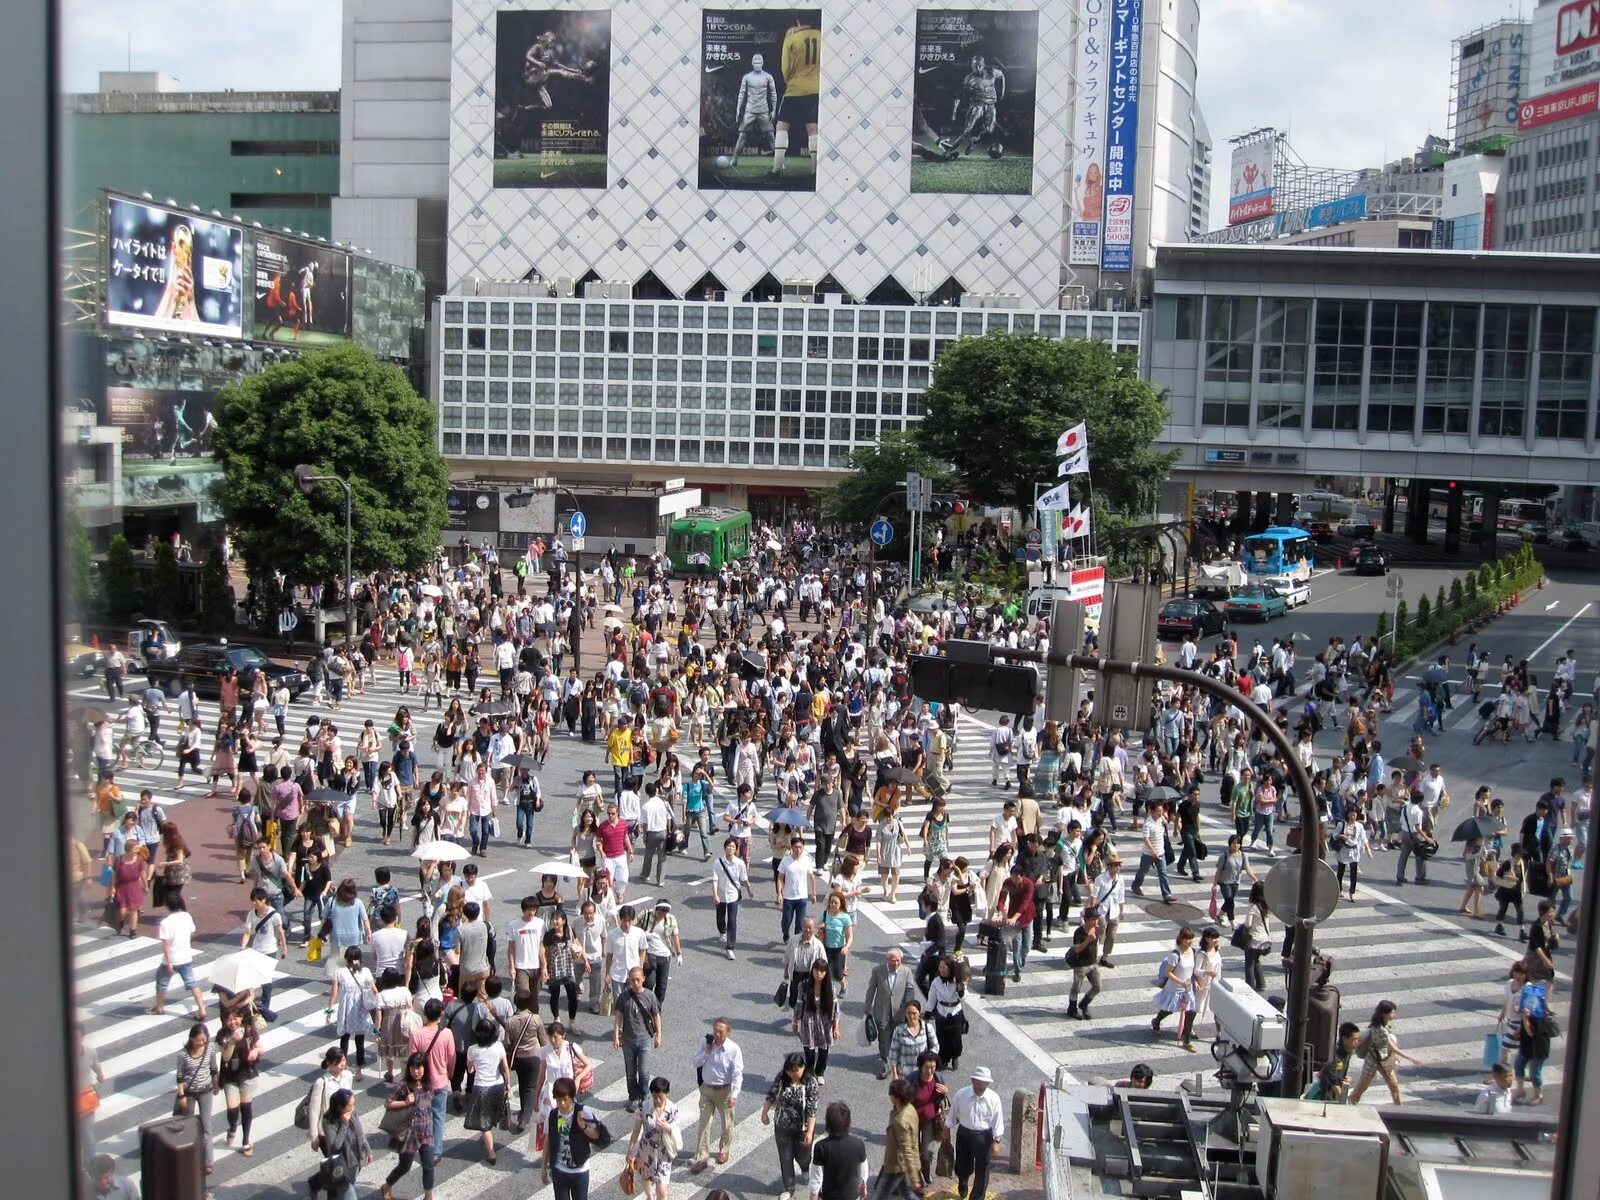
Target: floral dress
pixel 813 1024
pixel 657 1148
pixel 418 1135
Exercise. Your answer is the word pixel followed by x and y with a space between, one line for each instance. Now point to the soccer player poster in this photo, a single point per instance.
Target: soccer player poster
pixel 760 73
pixel 302 291
pixel 552 98
pixel 973 94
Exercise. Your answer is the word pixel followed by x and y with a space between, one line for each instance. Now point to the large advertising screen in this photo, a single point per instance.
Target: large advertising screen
pixel 172 271
pixel 1122 133
pixel 1088 201
pixel 973 101
pixel 552 98
pixel 301 289
pixel 161 422
pixel 760 75
pixel 1250 187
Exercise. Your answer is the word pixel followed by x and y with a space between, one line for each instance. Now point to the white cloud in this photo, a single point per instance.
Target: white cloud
pixel 208 45
pixel 1357 83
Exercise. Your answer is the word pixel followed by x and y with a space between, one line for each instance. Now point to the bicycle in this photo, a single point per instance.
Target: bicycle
pixel 143 751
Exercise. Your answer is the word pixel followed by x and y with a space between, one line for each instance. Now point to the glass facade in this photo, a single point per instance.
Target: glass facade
pixel 703 384
pixel 1384 358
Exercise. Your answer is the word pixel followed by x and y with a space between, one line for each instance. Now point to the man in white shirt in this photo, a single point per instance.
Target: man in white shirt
pixel 1413 826
pixel 1004 827
pixel 527 935
pixel 796 885
pixel 505 661
pixel 656 818
pixel 1153 851
pixel 977 1119
pixel 625 949
pixel 177 957
pixel 1433 789
pixel 1109 895
pixel 730 881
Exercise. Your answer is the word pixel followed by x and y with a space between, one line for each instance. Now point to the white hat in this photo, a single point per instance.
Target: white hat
pixel 982 1075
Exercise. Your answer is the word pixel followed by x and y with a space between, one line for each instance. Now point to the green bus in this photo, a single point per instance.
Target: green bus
pixel 704 539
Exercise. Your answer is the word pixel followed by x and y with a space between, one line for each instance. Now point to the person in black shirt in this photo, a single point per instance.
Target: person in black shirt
pixel 1188 812
pixel 839 1160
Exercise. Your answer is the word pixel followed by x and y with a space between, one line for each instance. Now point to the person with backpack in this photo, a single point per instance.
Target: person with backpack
pixel 1000 752
pixel 572 1134
pixel 1379 1050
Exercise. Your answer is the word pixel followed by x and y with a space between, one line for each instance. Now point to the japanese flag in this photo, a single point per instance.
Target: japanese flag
pixel 1075 523
pixel 1073 441
pixel 1076 464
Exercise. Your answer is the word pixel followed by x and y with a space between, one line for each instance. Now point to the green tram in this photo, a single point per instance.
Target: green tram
pixel 704 539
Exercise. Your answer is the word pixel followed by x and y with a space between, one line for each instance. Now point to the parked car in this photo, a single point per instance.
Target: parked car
pixel 1574 541
pixel 1199 617
pixel 206 663
pixel 1372 561
pixel 1260 601
pixel 1538 533
pixel 1321 532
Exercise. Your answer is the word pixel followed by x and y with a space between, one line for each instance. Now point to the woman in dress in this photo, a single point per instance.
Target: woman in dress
pixel 1380 1050
pixel 585 849
pixel 559 956
pixel 1175 978
pixel 412 1097
pixel 589 706
pixel 1207 970
pixel 655 1141
pixel 397 1021
pixel 175 868
pixel 130 873
pixel 963 892
pixel 559 1058
pixel 947 992
pixel 1351 843
pixel 816 1019
pixel 238 1064
pixel 352 1002
pixel 590 799
pixel 222 754
pixel 489 1074
pixel 791 1109
pixel 935 835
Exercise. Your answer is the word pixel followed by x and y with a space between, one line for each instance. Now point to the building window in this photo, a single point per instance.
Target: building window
pixel 1230 350
pixel 1178 318
pixel 1566 365
pixel 1281 380
pixel 1452 366
pixel 1506 330
pixel 269 149
pixel 1341 333
pixel 1396 339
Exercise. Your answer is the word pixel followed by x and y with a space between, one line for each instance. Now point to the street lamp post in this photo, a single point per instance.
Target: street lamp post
pixel 305 478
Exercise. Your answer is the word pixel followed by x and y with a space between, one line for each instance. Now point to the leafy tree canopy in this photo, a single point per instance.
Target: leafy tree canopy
pixel 997 404
pixel 876 471
pixel 343 413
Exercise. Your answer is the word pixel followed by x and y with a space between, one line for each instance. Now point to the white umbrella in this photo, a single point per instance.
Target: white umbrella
pixel 441 852
pixel 432 589
pixel 243 970
pixel 561 870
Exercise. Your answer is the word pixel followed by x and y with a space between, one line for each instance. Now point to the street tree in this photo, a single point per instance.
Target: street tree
pixel 877 470
pixel 343 413
pixel 121 584
pixel 997 404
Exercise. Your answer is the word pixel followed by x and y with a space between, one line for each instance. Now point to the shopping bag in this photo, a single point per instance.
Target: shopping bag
pixel 1491 1050
pixel 1215 905
pixel 314 950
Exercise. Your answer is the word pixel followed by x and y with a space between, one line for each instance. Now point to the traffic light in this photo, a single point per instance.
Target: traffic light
pixel 946 504
pixel 519 499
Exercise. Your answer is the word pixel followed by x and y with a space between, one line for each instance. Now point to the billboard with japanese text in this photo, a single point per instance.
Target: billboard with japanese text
pixel 1088 199
pixel 1122 133
pixel 1250 186
pixel 301 290
pixel 552 98
pixel 172 271
pixel 973 101
pixel 760 75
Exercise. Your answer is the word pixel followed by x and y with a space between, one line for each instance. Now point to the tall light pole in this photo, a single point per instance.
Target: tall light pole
pixel 306 479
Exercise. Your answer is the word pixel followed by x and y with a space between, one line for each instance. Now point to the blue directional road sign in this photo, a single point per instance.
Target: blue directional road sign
pixel 882 532
pixel 577 525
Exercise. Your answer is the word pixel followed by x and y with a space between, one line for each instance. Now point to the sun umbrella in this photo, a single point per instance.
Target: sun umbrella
pixel 786 816
pixel 328 796
pixel 432 589
pixel 612 610
pixel 521 762
pixel 441 852
pixel 89 714
pixel 243 970
pixel 899 775
pixel 1161 795
pixel 1298 636
pixel 1405 762
pixel 1475 829
pixel 560 868
pixel 495 708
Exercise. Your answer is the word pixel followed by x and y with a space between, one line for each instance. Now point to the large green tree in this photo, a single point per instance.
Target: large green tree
pixel 343 413
pixel 876 471
pixel 997 404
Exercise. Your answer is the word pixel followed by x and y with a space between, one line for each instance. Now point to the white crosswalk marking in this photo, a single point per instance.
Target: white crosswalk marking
pixel 1445 975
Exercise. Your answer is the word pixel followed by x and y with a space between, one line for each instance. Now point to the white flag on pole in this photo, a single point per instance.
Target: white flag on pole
pixel 1055 500
pixel 1076 464
pixel 1073 441
pixel 1075 524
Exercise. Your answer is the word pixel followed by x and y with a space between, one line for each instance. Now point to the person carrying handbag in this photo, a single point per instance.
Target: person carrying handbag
pixel 197 1083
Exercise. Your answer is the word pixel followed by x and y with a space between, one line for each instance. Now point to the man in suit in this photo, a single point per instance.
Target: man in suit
pixel 890 986
pixel 835 731
pixel 1539 832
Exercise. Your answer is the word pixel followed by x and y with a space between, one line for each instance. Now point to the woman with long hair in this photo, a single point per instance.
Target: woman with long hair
pixel 559 953
pixel 947 992
pixel 816 1019
pixel 1380 1050
pixel 1258 937
pixel 791 1109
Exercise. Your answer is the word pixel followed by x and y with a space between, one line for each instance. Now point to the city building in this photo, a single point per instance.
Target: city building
pixel 1488 78
pixel 271 157
pixel 1550 198
pixel 1285 364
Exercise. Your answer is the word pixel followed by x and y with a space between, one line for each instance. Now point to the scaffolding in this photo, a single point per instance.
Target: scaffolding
pixel 1488 77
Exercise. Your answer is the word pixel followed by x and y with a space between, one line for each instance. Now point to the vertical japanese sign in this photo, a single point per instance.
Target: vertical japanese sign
pixel 1089 156
pixel 1122 133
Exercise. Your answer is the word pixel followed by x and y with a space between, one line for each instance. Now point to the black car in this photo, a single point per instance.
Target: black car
pixel 1372 561
pixel 207 662
pixel 1178 617
pixel 1574 541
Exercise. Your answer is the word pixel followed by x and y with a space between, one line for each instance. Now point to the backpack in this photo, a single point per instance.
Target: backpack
pixel 246 826
pixel 637 694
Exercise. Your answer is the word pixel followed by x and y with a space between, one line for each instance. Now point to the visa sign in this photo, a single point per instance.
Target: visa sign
pixel 1577 26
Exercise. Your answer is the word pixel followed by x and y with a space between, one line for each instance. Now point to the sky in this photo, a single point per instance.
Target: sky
pixel 1355 82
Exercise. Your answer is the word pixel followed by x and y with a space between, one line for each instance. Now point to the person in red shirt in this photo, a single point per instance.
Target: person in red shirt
pixel 616 849
pixel 436 1044
pixel 1015 908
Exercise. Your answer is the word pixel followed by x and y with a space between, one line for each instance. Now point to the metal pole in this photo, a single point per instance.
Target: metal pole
pixel 1311 844
pixel 872 559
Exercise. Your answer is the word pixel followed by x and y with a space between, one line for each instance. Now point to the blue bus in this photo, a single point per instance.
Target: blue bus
pixel 1277 552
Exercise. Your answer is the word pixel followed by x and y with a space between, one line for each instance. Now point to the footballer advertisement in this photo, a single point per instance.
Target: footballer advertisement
pixel 171 271
pixel 760 75
pixel 302 291
pixel 552 98
pixel 973 98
